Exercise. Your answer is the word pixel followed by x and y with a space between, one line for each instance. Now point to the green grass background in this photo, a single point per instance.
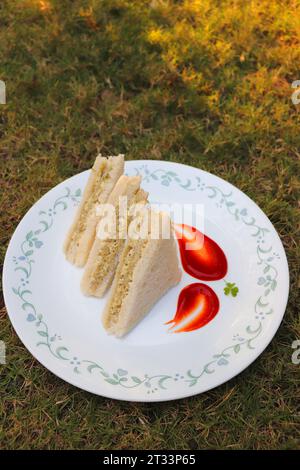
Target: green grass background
pixel 202 82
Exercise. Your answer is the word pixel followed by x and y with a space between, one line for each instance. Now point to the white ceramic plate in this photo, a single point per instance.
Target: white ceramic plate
pixel 63 330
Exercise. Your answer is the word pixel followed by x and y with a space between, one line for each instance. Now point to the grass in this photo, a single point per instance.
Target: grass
pixel 202 82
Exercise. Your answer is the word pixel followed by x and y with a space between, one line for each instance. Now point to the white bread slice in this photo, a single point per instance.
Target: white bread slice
pixel 146 271
pixel 105 253
pixel 104 175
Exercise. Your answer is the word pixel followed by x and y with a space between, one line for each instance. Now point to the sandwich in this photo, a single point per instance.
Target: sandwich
pixel 108 245
pixel 147 269
pixel 80 238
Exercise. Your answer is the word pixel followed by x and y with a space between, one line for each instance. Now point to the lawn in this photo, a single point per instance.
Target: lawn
pixel 201 82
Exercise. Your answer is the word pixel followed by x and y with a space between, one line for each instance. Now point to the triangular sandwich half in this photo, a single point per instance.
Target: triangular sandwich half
pixel 105 253
pixel 147 269
pixel 104 175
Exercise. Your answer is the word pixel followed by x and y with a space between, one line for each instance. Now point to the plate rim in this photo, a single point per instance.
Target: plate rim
pixel 180 395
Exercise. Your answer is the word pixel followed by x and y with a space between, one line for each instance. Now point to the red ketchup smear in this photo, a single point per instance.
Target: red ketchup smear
pixel 197 305
pixel 201 257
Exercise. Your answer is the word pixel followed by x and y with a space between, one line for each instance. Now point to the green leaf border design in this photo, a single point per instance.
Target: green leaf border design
pixel 32 242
